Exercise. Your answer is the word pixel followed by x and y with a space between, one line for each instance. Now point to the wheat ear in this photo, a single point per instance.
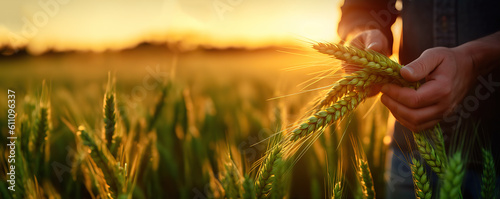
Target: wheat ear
pixel 231 182
pixel 267 171
pixel 366 179
pixel 374 61
pixel 42 127
pixel 428 153
pixel 337 191
pixel 488 180
pixel 420 180
pixel 101 160
pixel 358 80
pixel 40 135
pixel 329 115
pixel 278 188
pixel 109 113
pixel 452 178
pixel 248 188
pixel 437 138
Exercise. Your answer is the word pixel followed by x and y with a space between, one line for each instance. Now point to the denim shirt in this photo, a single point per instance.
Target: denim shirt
pixel 427 24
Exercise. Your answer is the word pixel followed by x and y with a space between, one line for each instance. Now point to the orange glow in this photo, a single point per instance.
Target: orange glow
pixel 396 29
pixel 97 26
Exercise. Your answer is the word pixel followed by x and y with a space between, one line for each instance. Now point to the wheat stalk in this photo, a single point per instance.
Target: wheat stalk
pixel 158 107
pixel 420 180
pixel 488 180
pixel 123 116
pixel 23 173
pixel 366 179
pixel 329 115
pixel 428 153
pixel 453 177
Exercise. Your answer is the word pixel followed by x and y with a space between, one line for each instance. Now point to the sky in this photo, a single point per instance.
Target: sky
pixel 100 25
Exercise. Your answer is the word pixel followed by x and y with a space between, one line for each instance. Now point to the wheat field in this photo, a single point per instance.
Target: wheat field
pixel 156 123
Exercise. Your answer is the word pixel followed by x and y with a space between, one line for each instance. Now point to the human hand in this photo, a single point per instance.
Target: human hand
pixel 449 74
pixel 372 39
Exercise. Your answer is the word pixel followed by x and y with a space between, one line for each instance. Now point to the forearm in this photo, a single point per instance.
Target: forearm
pixel 484 52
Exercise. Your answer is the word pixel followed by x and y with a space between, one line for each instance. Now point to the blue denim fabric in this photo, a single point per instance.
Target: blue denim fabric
pixel 399 182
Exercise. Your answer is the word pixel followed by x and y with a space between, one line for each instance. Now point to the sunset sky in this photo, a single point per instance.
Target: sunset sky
pixel 94 25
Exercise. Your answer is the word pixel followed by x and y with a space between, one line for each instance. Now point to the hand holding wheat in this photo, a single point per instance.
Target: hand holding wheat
pixel 372 39
pixel 448 75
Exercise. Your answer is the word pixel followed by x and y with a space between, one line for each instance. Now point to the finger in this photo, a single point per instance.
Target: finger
pixel 418 128
pixel 377 41
pixel 428 94
pixel 374 90
pixel 359 41
pixel 422 66
pixel 413 116
pixel 414 127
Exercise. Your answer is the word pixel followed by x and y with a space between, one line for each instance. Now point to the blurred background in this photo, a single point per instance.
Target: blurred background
pixel 235 71
pixel 97 26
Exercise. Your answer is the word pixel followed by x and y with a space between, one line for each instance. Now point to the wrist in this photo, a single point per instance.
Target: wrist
pixel 466 60
pixel 482 52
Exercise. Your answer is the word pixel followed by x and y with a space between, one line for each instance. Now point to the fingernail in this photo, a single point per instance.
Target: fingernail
pixel 409 69
pixel 371 45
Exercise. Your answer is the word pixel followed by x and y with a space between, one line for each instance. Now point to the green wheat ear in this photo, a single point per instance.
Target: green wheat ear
pixel 41 130
pixel 488 180
pixel 420 180
pixel 428 153
pixel 278 188
pixel 322 119
pixel 248 188
pixel 231 181
pixel 102 161
pixel 366 179
pixel 453 177
pixel 109 112
pixel 337 191
pixel 437 138
pixel 355 81
pixel 269 169
pixel 373 61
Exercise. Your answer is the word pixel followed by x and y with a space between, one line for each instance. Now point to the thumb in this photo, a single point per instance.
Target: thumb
pixel 421 67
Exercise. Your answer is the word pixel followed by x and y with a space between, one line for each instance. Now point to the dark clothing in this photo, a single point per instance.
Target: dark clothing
pixel 428 24
pixel 448 23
